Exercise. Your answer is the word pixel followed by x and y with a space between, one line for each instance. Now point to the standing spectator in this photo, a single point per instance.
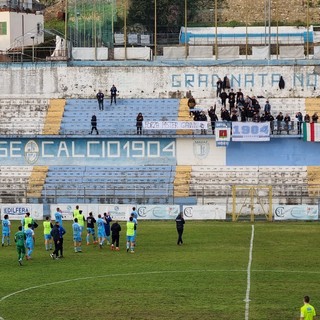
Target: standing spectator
pixel 269 117
pixel 223 96
pixel 226 83
pixel 113 92
pixel 279 119
pixel 115 229
pixel 100 97
pixel 6 225
pixel 94 124
pixel 234 116
pixel 255 105
pixel 232 99
pixel 57 233
pixel 203 118
pixel 307 311
pixel 281 83
pixel 107 219
pixel 249 113
pixel 76 236
pixel 101 231
pixel 307 118
pixel 90 228
pixel 267 107
pixel 225 115
pixel 219 87
pixel 180 226
pixel 58 216
pixel 255 117
pixel 130 235
pixel 139 123
pixel 19 239
pixel 243 114
pixel 299 118
pixel 315 117
pixel 191 104
pixel 213 118
pixel 47 226
pixel 240 96
pixel 287 120
pixel 30 239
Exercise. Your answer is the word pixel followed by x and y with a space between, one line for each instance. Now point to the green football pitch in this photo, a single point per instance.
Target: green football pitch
pixel 224 270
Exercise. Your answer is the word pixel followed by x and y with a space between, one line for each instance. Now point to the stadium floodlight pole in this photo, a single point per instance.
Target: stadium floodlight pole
pixel 247 19
pixel 95 29
pixel 125 29
pixel 155 29
pixel 308 12
pixel 277 17
pixel 112 23
pixel 66 29
pixel 265 22
pixel 216 28
pixel 185 27
pixel 269 18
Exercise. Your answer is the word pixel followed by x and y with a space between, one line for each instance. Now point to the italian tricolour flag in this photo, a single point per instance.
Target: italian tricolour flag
pixel 311 131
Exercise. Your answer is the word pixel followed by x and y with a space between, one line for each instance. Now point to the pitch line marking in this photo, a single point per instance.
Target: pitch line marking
pixel 247 299
pixel 149 272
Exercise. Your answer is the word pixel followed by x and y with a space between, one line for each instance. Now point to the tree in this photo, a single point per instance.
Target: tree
pixel 170 13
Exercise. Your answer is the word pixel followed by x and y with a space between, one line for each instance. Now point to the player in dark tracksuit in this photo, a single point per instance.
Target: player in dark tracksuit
pixel 115 228
pixel 180 225
pixel 57 233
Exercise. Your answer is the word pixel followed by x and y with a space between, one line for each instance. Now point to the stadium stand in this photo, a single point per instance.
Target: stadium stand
pixel 210 182
pixel 135 184
pixel 110 184
pixel 22 116
pixel 78 112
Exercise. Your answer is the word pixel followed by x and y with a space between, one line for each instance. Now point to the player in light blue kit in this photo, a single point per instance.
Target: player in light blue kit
pixel 135 221
pixel 6 225
pixel 76 236
pixel 135 213
pixel 29 241
pixel 58 216
pixel 101 230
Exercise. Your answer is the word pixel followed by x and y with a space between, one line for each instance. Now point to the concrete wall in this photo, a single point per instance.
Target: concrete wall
pixel 46 80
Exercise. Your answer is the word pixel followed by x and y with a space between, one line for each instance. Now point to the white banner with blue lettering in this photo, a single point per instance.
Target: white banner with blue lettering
pixel 119 212
pixel 174 125
pixel 87 151
pixel 298 212
pixel 17 211
pixel 250 131
pixel 206 212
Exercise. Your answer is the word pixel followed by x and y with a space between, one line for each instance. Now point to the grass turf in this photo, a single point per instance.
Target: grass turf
pixel 206 278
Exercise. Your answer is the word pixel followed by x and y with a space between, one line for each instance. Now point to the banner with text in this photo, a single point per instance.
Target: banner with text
pixel 119 212
pixel 174 125
pixel 298 212
pixel 205 212
pixel 86 151
pixel 250 131
pixel 17 211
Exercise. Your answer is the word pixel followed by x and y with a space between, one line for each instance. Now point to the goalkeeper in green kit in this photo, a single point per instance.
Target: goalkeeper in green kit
pixel 19 239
